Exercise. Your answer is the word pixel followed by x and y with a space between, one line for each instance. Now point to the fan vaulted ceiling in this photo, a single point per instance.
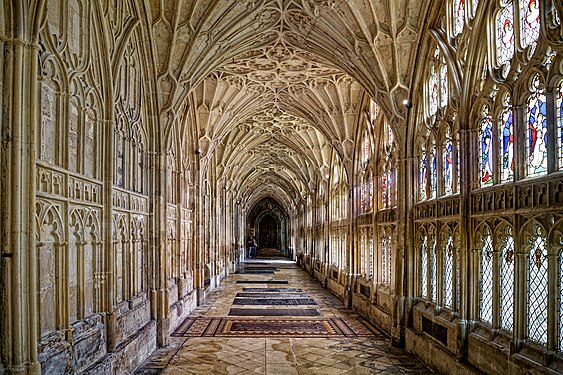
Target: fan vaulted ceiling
pixel 276 86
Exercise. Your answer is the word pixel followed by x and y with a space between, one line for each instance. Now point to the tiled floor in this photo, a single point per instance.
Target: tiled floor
pixel 286 354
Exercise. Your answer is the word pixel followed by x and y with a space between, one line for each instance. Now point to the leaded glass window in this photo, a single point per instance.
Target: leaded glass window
pixel 370 248
pixel 457 161
pixel 433 286
pixel 389 255
pixel 561 296
pixel 486 305
pixel 506 143
pixel 443 84
pixel 424 265
pixel 423 173
pixel 448 153
pixel 384 257
pixel 536 143
pixel 537 287
pixel 363 245
pixel 448 271
pixel 507 280
pixel 559 110
pixel 530 21
pixel 505 32
pixel 459 16
pixel 433 170
pixel 433 91
pixel 486 154
pixel 474 8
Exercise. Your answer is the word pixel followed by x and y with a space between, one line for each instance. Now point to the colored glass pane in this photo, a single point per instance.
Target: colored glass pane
pixel 537 288
pixel 507 146
pixel 433 171
pixel 561 296
pixel 448 272
pixel 389 256
pixel 505 33
pixel 443 85
pixel 384 190
pixel 486 305
pixel 448 165
pixel 433 286
pixel 475 4
pixel 423 174
pixel 384 258
pixel 530 21
pixel 507 280
pixel 537 131
pixel 424 266
pixel 486 155
pixel 370 249
pixel 459 16
pixel 559 110
pixel 457 168
pixel 433 91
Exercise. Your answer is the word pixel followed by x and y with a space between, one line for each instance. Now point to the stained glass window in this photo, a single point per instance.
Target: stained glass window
pixel 486 305
pixel 530 20
pixel 370 247
pixel 433 286
pixel 459 16
pixel 536 143
pixel 486 154
pixel 423 173
pixel 370 192
pixel 384 257
pixel 448 271
pixel 443 85
pixel 384 190
pixel 424 265
pixel 433 170
pixel 561 296
pixel 559 110
pixel 505 32
pixel 389 255
pixel 507 280
pixel 537 287
pixel 457 161
pixel 506 145
pixel 433 91
pixel 475 4
pixel 448 153
pixel 363 243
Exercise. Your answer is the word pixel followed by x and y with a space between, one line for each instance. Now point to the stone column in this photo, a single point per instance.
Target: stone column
pixel 20 102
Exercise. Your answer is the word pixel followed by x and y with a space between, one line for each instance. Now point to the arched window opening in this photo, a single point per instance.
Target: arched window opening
pixel 506 142
pixel 448 271
pixel 447 162
pixel 424 265
pixel 486 148
pixel 486 303
pixel 530 22
pixel 507 280
pixel 536 142
pixel 505 32
pixel 537 287
pixel 423 173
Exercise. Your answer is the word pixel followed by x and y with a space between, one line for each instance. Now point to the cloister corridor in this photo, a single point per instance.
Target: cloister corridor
pixel 272 318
